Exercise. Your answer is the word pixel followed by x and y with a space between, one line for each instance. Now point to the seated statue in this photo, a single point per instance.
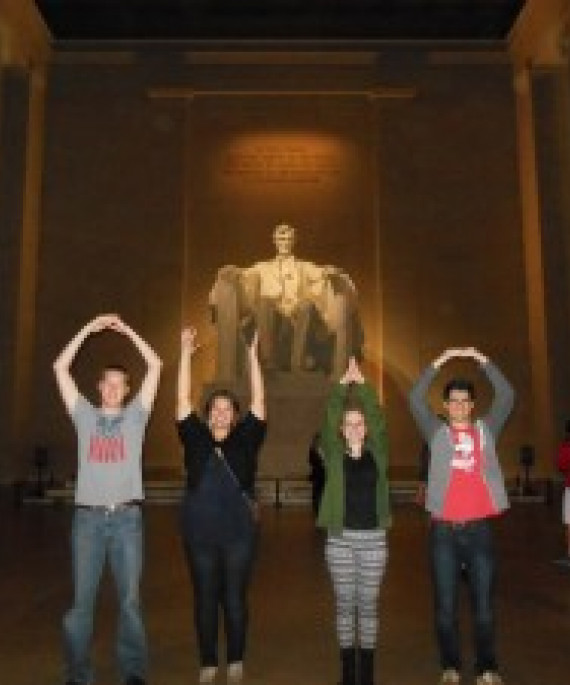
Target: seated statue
pixel 305 314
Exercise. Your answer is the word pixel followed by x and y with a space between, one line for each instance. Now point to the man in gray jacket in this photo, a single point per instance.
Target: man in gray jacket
pixel 465 489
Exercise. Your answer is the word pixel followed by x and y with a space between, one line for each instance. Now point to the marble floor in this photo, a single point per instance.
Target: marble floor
pixel 292 634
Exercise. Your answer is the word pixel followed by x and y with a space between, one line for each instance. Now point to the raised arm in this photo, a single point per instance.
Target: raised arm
pixel 503 393
pixel 62 364
pixel 149 385
pixel 188 346
pixel 425 418
pixel 257 386
pixel 331 440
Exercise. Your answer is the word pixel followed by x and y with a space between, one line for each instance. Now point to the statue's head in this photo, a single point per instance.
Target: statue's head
pixel 284 238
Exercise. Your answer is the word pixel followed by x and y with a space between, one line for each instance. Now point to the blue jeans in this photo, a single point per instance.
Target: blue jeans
pixel 95 535
pixel 456 549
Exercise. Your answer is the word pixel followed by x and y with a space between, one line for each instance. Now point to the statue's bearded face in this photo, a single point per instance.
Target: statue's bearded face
pixel 284 240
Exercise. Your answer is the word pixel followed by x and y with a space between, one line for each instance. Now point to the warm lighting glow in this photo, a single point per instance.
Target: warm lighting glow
pixel 284 162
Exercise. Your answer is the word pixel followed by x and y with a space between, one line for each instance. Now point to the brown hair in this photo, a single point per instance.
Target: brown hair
pixel 351 403
pixel 115 367
pixel 213 396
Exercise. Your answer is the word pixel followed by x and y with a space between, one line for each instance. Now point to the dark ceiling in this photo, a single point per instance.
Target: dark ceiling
pixel 280 19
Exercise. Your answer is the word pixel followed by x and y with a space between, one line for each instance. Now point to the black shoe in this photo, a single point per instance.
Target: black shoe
pixel 366 667
pixel 348 666
pixel 135 680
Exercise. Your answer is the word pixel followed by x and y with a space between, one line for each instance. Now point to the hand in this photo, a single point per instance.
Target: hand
pixel 462 353
pixel 188 339
pixel 448 354
pixel 353 374
pixel 119 326
pixel 473 353
pixel 103 321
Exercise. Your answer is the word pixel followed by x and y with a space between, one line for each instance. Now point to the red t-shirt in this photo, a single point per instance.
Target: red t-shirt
pixel 468 497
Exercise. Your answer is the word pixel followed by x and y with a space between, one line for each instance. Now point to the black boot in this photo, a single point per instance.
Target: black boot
pixel 366 667
pixel 348 665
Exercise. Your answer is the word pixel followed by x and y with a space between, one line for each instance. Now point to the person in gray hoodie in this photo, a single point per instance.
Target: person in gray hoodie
pixel 465 490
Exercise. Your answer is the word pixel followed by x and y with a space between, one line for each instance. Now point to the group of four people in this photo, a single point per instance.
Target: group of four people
pixel 219 514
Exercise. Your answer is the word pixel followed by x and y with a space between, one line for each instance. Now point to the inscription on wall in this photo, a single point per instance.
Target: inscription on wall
pixel 306 161
pixel 282 165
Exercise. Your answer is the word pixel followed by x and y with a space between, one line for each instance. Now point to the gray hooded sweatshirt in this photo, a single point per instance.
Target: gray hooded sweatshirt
pixel 438 435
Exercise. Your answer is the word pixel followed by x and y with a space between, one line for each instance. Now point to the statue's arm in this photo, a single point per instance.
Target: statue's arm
pixel 228 277
pixel 250 284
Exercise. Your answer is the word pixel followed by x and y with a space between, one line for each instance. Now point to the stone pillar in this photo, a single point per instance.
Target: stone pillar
pixel 543 428
pixel 25 49
pixel 14 105
pixel 25 319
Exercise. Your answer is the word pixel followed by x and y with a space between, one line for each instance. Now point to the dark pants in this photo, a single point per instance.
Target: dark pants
pixel 453 546
pixel 220 574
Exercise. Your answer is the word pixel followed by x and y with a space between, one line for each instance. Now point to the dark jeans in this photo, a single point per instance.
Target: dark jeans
pixel 451 547
pixel 220 574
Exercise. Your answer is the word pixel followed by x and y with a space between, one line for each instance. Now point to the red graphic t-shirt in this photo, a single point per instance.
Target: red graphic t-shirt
pixel 468 496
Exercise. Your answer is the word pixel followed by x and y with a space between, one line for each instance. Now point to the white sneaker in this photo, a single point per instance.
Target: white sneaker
pixel 208 674
pixel 235 672
pixel 450 677
pixel 489 678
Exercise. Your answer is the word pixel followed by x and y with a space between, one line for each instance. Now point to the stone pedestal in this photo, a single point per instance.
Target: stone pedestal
pixel 295 404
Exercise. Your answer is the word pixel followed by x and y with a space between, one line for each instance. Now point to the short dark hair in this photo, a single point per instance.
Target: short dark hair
pixel 213 396
pixel 462 384
pixel 116 367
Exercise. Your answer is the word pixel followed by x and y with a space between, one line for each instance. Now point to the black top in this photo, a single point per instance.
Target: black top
pixel 216 511
pixel 360 477
pixel 240 448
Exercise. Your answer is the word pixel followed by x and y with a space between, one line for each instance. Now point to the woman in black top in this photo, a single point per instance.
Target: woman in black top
pixel 218 510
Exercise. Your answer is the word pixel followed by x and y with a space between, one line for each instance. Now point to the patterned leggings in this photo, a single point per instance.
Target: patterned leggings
pixel 356 560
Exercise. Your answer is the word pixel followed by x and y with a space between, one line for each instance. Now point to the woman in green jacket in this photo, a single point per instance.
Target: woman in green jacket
pixel 355 512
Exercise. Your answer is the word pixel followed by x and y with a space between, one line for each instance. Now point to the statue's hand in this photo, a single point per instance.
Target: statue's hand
pixel 339 281
pixel 229 273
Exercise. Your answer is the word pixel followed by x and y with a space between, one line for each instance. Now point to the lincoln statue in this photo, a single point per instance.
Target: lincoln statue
pixel 305 313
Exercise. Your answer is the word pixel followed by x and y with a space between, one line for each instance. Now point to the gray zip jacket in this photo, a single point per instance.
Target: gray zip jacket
pixel 438 435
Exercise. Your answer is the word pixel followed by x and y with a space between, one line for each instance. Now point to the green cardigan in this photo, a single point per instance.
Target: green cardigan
pixel 333 449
